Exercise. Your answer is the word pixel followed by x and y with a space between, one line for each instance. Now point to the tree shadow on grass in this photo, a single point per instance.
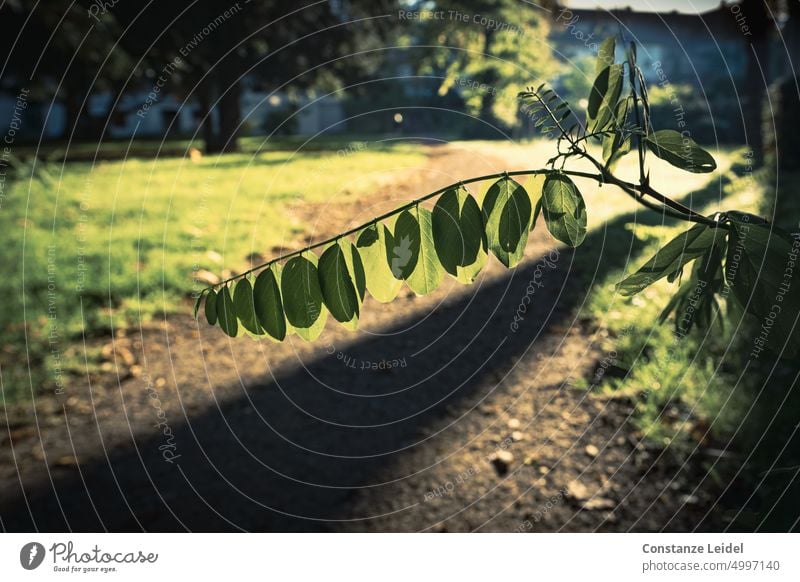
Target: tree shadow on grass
pixel 267 461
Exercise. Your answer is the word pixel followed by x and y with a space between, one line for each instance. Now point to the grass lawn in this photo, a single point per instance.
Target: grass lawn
pixel 83 242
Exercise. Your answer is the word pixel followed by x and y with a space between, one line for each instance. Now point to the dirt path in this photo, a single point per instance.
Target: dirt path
pixel 439 415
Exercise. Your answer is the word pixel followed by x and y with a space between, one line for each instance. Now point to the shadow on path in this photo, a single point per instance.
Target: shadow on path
pixel 263 462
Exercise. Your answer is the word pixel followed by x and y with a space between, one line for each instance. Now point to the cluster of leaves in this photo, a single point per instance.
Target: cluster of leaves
pixel 454 238
pixel 733 253
pixel 744 258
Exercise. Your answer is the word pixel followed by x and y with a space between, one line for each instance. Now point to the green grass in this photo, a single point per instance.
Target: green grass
pixel 120 241
pixel 681 386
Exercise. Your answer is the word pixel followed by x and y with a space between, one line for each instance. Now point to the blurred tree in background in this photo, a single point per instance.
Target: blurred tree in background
pixel 299 46
pixel 59 51
pixel 67 50
pixel 488 50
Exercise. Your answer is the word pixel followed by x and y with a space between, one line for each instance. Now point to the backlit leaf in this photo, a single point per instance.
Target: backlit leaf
pixel 458 232
pixel 507 214
pixel 680 151
pixel 603 97
pixel 564 209
pixel 684 248
pixel 373 244
pixel 337 285
pixel 605 54
pixel 414 254
pixel 302 296
pixel 762 272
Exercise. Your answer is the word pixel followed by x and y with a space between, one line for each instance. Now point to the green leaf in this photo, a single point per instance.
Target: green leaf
pixel 672 257
pixel 355 266
pixel 761 270
pixel 617 144
pixel 414 255
pixel 337 285
pixel 535 187
pixel 227 312
pixel 680 151
pixel 605 54
pixel 268 304
pixel 373 244
pixel 507 215
pixel 404 252
pixel 244 307
pixel 603 97
pixel 694 302
pixel 458 233
pixel 211 307
pixel 564 209
pixel 196 307
pixel 302 296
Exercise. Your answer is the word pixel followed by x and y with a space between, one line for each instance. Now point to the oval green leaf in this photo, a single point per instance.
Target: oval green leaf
pixel 302 297
pixel 226 312
pixel 196 307
pixel 268 304
pixel 603 97
pixel 244 306
pixel 211 307
pixel 337 285
pixel 680 151
pixel 414 255
pixel 458 233
pixel 507 215
pixel 672 257
pixel 373 244
pixel 564 209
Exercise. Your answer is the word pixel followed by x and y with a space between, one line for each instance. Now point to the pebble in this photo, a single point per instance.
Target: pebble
pixel 577 491
pixel 592 450
pixel 599 503
pixel 502 461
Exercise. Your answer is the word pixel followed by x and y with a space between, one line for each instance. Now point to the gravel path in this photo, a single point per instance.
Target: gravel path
pixel 439 416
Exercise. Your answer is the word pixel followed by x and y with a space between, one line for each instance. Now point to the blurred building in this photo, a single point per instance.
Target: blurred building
pixel 694 63
pixel 691 47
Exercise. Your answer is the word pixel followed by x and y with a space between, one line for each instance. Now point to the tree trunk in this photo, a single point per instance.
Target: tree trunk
pixel 230 116
pixel 756 81
pixel 222 136
pixel 489 78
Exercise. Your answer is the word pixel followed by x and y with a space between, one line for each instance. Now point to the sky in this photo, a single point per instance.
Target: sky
pixel 648 5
